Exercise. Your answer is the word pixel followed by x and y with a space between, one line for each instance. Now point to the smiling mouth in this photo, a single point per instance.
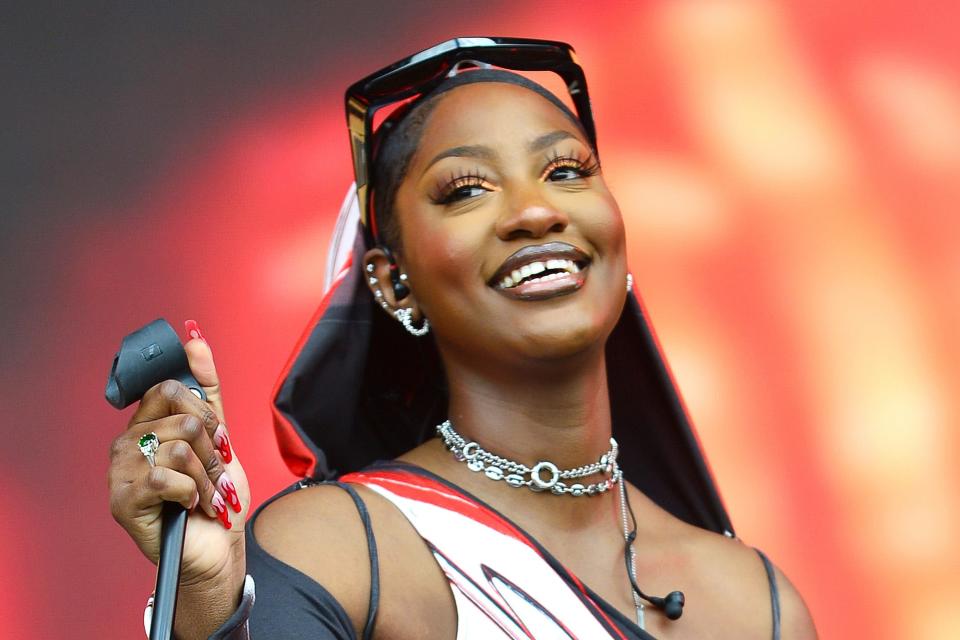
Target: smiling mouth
pixel 541 271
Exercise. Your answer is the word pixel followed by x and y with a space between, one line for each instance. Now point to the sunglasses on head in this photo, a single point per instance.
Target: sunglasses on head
pixel 422 72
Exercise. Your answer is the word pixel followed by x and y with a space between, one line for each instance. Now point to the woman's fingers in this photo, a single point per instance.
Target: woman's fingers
pixel 179 456
pixel 186 447
pixel 170 397
pixel 200 357
pixel 162 484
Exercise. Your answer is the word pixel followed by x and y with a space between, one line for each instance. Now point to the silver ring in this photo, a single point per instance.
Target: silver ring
pixel 148 444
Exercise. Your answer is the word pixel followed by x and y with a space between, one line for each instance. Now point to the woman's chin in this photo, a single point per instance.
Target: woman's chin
pixel 559 338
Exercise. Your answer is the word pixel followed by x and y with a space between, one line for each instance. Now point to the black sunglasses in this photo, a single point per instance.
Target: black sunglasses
pixel 421 72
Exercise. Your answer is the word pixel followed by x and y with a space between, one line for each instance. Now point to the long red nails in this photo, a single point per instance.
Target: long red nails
pixel 230 491
pixel 222 443
pixel 193 330
pixel 221 508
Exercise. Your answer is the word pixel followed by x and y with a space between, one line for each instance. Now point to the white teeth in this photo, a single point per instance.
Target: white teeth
pixel 534 268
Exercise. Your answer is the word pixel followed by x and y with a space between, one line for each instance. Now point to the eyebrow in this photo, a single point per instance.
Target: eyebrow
pixel 466 151
pixel 486 153
pixel 548 139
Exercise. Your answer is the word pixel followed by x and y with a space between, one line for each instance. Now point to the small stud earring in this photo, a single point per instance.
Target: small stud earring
pixel 400 289
pixel 378 294
pixel 629 282
pixel 370 267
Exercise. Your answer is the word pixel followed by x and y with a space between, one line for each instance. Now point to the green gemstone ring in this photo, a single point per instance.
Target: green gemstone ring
pixel 149 443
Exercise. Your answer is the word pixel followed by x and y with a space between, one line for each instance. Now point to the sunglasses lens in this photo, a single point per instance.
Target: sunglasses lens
pixel 406 81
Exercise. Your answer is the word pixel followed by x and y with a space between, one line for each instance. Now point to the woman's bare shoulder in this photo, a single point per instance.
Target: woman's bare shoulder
pixel 319 531
pixel 734 567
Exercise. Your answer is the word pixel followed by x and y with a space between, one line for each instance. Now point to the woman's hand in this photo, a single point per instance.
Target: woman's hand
pixel 196 467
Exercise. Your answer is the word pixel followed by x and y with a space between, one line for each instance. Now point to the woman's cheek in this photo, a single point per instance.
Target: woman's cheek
pixel 611 221
pixel 439 263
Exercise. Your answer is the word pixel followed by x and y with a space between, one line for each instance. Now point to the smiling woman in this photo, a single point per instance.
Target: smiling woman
pixel 564 480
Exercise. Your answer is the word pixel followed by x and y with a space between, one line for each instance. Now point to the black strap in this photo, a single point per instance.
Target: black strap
pixel 774 593
pixel 374 560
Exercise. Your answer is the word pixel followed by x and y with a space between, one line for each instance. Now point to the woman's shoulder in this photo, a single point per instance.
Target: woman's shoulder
pixel 346 538
pixel 317 530
pixel 300 526
pixel 735 573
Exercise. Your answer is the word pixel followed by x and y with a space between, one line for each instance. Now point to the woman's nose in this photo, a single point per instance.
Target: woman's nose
pixel 529 216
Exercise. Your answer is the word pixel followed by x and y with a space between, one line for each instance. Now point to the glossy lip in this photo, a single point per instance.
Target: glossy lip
pixel 538 252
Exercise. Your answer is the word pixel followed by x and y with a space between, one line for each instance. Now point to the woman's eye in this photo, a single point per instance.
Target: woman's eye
pixel 566 168
pixel 464 192
pixel 462 187
pixel 564 173
pixel 458 194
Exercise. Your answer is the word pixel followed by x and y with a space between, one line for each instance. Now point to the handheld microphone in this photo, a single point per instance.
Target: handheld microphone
pixel 151 354
pixel 146 357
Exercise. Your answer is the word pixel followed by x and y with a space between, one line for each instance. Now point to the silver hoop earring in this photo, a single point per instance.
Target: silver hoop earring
pixel 629 282
pixel 405 316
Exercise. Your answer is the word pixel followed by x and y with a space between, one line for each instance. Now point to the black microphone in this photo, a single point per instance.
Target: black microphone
pixel 147 356
pixel 671 604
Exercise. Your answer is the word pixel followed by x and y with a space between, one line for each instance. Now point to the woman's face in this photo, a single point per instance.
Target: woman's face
pixel 503 183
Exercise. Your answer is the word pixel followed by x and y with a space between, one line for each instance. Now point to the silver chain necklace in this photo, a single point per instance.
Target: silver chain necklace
pixel 633 556
pixel 543 476
pixel 519 475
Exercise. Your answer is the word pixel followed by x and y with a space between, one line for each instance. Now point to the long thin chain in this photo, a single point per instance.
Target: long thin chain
pixel 543 476
pixel 633 556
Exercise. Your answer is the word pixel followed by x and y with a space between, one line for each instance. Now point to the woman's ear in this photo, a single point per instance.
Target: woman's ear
pixel 382 273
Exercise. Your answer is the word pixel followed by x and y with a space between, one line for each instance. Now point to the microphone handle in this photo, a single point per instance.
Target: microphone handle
pixel 172 533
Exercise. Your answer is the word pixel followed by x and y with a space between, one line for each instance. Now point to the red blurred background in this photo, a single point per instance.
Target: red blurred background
pixel 788 171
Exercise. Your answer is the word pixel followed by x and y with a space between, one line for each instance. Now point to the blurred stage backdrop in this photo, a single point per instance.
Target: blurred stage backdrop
pixel 789 173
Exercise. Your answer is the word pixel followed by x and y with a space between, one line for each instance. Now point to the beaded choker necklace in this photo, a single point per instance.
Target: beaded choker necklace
pixel 543 476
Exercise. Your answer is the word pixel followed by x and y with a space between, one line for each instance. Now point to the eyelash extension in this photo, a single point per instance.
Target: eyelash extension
pixel 586 164
pixel 444 190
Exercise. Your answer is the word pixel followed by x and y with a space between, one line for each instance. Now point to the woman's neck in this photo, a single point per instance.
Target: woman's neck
pixel 559 412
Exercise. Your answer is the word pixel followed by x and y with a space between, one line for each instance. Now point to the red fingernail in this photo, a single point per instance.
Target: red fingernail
pixel 221 508
pixel 230 491
pixel 222 443
pixel 193 330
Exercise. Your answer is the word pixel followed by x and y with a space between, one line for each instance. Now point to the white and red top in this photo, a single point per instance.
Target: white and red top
pixel 504 583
